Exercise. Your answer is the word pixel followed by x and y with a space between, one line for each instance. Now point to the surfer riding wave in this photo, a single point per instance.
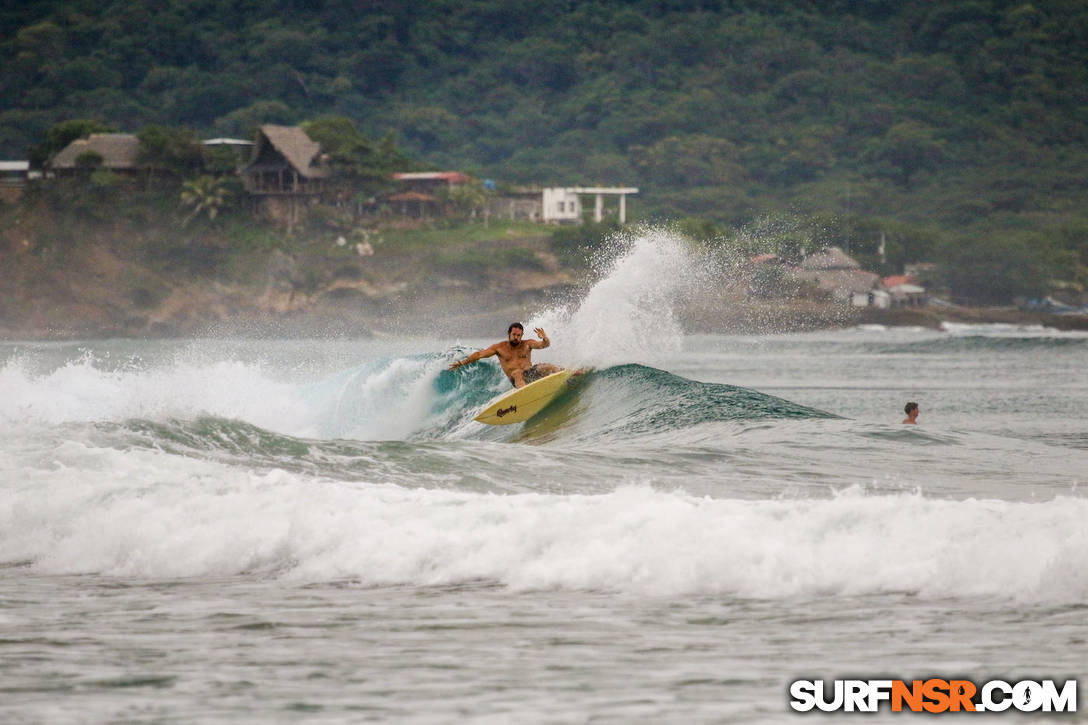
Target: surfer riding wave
pixel 515 356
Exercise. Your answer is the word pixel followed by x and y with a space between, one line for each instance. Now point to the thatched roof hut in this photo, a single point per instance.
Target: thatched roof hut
pixel 837 273
pixel 830 258
pixel 119 152
pixel 841 283
pixel 285 160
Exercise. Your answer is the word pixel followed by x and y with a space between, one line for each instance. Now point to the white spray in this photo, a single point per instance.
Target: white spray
pixel 629 314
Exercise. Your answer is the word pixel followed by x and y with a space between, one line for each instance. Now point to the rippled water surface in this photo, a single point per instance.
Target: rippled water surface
pixel 244 531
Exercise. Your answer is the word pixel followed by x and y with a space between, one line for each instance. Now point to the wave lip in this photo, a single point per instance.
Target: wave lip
pixel 234 406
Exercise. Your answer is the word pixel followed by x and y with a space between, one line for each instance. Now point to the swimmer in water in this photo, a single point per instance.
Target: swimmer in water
pixel 911 409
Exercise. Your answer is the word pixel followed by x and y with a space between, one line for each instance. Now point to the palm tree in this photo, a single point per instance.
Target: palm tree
pixel 206 195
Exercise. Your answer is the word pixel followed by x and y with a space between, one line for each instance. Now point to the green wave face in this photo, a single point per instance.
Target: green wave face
pixel 621 402
pixel 646 417
pixel 616 404
pixel 634 400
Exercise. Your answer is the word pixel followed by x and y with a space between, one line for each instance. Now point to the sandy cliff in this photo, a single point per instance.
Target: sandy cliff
pixel 105 289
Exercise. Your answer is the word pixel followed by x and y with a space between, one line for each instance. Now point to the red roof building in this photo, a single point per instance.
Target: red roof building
pixel 430 181
pixel 897 279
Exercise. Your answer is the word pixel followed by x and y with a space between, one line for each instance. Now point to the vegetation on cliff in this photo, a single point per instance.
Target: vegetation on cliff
pixel 957 132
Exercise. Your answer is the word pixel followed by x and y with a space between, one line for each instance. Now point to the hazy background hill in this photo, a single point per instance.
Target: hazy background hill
pixel 958 130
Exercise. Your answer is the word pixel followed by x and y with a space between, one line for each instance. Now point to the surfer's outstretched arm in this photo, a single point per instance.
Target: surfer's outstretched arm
pixel 486 352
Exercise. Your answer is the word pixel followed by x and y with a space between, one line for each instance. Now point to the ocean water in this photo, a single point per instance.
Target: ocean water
pixel 317 531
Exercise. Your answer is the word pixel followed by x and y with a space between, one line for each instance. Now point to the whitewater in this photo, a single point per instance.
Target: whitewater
pixel 317 530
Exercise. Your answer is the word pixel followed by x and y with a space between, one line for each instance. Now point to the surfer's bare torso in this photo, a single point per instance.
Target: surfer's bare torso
pixel 515 356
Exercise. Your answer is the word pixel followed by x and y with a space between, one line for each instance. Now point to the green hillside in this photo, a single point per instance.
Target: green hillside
pixel 958 130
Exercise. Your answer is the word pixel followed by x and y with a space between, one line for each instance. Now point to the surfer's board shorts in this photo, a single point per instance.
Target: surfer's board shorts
pixel 530 376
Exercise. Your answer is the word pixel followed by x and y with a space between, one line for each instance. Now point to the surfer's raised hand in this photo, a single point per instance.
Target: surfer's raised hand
pixel 542 335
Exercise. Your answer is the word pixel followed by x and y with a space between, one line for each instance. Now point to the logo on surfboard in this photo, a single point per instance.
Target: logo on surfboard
pixel 503 411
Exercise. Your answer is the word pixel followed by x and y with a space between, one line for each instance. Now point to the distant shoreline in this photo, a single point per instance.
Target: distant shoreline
pixel 798 315
pixel 342 323
pixel 933 317
pixel 106 285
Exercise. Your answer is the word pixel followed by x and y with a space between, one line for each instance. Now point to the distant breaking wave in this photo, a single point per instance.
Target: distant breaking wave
pixel 982 343
pixel 185 522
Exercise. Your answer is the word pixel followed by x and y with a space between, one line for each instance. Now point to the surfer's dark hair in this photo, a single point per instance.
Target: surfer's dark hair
pixel 906 409
pixel 513 325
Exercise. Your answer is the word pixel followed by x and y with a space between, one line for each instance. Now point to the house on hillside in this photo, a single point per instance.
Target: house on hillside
pixel 561 206
pixel 839 274
pixel 429 182
pixel 558 204
pixel 519 203
pixel 285 161
pixel 116 152
pixel 905 290
pixel 564 204
pixel 418 192
pixel 286 173
pixel 414 204
pixel 13 177
pixel 222 142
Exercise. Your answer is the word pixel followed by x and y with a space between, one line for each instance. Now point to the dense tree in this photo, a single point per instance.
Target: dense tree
pixel 994 271
pixel 244 122
pixel 906 149
pixel 467 199
pixel 176 150
pixel 970 112
pixel 695 160
pixel 351 155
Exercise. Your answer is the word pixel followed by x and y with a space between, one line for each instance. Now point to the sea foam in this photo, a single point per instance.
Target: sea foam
pixel 86 390
pixel 384 399
pixel 142 514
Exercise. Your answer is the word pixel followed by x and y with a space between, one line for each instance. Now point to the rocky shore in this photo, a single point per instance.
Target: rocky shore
pixel 217 309
pixel 103 293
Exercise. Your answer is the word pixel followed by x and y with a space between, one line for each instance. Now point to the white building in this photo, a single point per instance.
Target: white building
pixel 557 204
pixel 564 204
pixel 873 298
pixel 13 177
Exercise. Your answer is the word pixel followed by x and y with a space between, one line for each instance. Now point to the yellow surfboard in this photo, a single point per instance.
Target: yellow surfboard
pixel 521 404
